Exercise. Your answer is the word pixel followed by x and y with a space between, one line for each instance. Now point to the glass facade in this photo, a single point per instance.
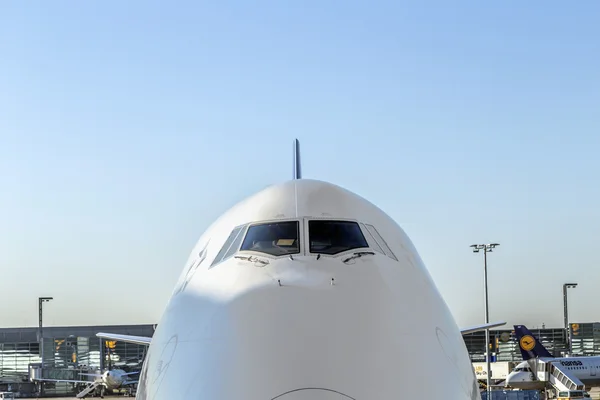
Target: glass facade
pixel 504 347
pixel 16 357
pixel 71 352
pixel 585 339
pixel 85 352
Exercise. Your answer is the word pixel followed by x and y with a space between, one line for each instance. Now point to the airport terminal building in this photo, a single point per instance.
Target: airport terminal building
pixel 585 339
pixel 505 353
pixel 68 351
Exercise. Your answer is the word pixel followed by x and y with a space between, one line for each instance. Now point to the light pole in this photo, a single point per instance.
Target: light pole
pixel 42 300
pixel 486 249
pixel 566 313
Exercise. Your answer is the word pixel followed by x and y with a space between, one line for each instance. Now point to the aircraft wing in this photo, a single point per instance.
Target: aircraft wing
pixel 130 382
pixel 62 380
pixel 125 338
pixel 483 327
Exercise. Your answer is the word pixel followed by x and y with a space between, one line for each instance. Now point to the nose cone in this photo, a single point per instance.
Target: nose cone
pixel 522 380
pixel 377 332
pixel 313 394
pixel 509 379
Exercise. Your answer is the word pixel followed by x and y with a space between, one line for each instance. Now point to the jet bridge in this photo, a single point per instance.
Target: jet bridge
pixel 561 379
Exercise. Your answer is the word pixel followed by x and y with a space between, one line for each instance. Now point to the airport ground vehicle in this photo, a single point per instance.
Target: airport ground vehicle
pixel 572 394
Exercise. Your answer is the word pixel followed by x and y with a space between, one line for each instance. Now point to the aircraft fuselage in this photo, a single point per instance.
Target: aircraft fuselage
pixel 308 324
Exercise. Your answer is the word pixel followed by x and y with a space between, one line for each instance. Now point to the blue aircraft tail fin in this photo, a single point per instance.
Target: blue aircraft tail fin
pixel 529 345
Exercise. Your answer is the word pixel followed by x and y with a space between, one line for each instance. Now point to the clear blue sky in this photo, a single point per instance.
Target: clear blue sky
pixel 127 127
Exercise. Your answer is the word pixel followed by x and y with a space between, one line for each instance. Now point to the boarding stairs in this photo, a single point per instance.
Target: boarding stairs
pixel 563 379
pixel 560 378
pixel 89 389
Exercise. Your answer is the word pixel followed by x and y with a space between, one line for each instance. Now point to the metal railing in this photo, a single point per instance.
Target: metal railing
pixel 512 395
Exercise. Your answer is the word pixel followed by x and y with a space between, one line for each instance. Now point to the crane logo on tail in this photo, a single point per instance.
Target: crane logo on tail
pixel 527 342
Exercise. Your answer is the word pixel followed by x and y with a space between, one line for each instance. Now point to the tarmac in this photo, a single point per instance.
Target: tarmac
pixel 73 397
pixel 594 394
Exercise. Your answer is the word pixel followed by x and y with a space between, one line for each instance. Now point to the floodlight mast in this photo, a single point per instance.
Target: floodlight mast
pixel 566 314
pixel 486 249
pixel 41 300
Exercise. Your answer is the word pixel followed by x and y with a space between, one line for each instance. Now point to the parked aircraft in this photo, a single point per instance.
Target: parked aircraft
pixel 306 290
pixel 109 380
pixel 585 369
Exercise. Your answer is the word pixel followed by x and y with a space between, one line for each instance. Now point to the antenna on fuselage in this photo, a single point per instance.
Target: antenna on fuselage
pixel 297 165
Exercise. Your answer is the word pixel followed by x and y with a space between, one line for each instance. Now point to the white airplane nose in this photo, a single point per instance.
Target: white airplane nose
pixel 305 291
pixel 306 339
pixel 313 394
pixel 513 378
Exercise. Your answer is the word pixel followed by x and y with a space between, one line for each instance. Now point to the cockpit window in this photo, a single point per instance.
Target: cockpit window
pixel 371 240
pixel 519 369
pixel 231 245
pixel 275 238
pixel 333 237
pixel 381 242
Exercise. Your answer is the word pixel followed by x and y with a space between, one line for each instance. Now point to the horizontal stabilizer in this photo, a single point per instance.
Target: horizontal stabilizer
pixel 125 338
pixel 483 327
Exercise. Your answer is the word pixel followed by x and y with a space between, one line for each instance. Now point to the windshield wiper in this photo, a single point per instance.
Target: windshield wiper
pixel 252 259
pixel 359 254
